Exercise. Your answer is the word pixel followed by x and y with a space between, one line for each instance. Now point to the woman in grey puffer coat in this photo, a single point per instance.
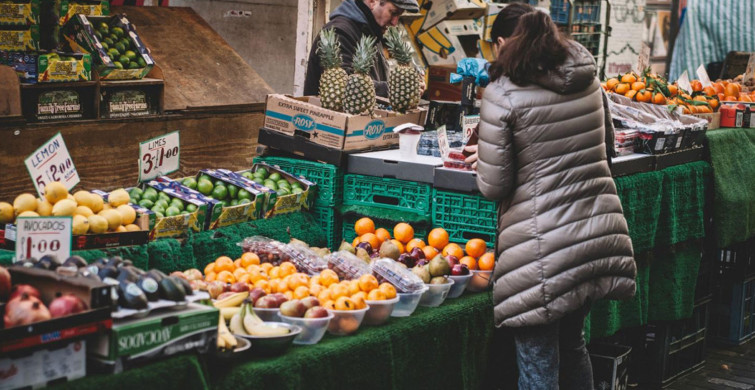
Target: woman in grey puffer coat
pixel 562 238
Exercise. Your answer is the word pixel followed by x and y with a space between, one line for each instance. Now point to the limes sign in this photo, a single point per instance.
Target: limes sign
pixel 40 236
pixel 159 156
pixel 52 162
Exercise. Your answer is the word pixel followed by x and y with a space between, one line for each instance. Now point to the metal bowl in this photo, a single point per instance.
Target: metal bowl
pixel 270 346
pixel 242 347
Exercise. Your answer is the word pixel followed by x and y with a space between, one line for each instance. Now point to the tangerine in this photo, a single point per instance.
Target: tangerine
pixel 266 267
pixel 289 295
pixel 339 290
pixel 388 290
pixel 353 286
pixel 355 242
pixel 238 272
pixel 382 235
pixel 237 263
pixel 430 252
pixel 403 232
pixel 249 258
pixel 612 83
pixel 376 295
pixel 263 284
pixel 301 292
pixel 476 247
pixel 486 262
pixel 210 277
pixel 245 278
pixel 226 277
pixel 328 277
pixel 363 226
pixel 370 238
pixel 297 280
pixel 453 249
pixel 223 263
pixel 345 303
pixel 287 268
pixel 329 304
pixel 359 301
pixel 315 280
pixel 469 261
pixel 315 289
pixel 438 238
pixel 368 282
pixel 628 78
pixel 399 245
pixel 324 295
pixel 209 268
pixel 415 243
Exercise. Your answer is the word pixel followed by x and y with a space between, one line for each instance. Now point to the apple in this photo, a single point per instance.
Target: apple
pixel 452 260
pixel 198 285
pixel 20 289
pixel 215 288
pixel 279 298
pixel 421 263
pixel 66 304
pixel 179 274
pixel 255 294
pixel 459 269
pixel 193 274
pixel 293 308
pixel 310 302
pixel 266 302
pixel 239 287
pixel 407 260
pixel 417 253
pixel 316 312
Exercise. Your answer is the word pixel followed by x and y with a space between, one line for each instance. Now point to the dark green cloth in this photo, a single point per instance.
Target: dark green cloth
pixel 444 347
pixel 673 278
pixel 641 196
pixel 732 155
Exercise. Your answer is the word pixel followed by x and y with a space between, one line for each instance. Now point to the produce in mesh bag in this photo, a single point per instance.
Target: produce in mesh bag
pixel 268 250
pixel 387 270
pixel 347 266
pixel 305 259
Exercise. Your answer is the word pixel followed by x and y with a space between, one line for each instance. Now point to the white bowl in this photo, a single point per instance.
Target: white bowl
pixel 379 311
pixel 407 302
pixel 480 281
pixel 436 294
pixel 345 322
pixel 460 283
pixel 312 329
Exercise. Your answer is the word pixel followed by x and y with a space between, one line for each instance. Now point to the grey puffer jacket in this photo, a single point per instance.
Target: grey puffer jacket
pixel 562 237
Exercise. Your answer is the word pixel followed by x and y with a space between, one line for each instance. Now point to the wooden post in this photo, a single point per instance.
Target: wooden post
pixel 311 16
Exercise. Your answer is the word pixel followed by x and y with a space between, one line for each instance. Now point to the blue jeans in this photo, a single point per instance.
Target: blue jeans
pixel 554 356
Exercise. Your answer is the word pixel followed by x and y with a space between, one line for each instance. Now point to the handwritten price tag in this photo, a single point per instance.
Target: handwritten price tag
pixel 684 82
pixel 443 141
pixel 643 60
pixel 702 74
pixel 159 156
pixel 40 236
pixel 52 162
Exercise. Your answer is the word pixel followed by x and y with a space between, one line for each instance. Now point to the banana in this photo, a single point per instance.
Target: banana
pixel 221 340
pixel 250 320
pixel 231 301
pixel 229 312
pixel 263 330
pixel 225 334
pixel 237 325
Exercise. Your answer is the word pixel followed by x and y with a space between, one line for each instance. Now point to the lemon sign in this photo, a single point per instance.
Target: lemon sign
pixel 52 162
pixel 159 156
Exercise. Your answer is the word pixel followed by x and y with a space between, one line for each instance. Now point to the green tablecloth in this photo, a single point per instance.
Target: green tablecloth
pixel 732 155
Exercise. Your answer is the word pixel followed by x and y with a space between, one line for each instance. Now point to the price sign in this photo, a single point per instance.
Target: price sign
pixel 443 141
pixel 159 156
pixel 643 61
pixel 684 82
pixel 702 74
pixel 39 236
pixel 52 162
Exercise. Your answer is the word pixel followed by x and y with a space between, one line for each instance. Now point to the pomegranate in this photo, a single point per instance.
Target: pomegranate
pixel 25 309
pixel 65 305
pixel 4 284
pixel 20 289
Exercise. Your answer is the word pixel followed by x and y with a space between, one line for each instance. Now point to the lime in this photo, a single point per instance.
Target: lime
pixel 113 53
pixel 150 196
pixel 296 184
pixel 283 191
pixel 172 211
pixel 140 61
pixel 283 184
pixel 136 193
pixel 158 209
pixel 120 47
pixel 190 182
pixel 247 174
pixel 244 194
pixel 220 192
pixel 98 35
pixel 245 200
pixel 118 31
pixel 270 184
pixel 275 176
pixel 234 202
pixel 105 46
pixel 205 177
pixel 296 190
pixel 204 186
pixel 261 169
pixel 104 26
pixel 146 203
pixel 133 65
pixel 163 195
pixel 162 203
pixel 130 54
pixel 233 191
pixel 177 203
pixel 191 207
pixel 108 41
pixel 118 65
pixel 126 43
pixel 159 214
pixel 124 60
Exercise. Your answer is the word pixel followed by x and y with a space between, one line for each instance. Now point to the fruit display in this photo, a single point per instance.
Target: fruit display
pixel 118 47
pixel 286 193
pixel 347 265
pixel 404 80
pixel 304 258
pixel 359 97
pixel 274 181
pixel 160 202
pixel 333 79
pixel 397 275
pixel 91 215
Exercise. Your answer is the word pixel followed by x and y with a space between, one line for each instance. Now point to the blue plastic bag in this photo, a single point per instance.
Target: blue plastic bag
pixel 474 67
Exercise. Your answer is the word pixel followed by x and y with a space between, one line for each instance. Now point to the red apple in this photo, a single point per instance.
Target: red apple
pixel 310 302
pixel 65 305
pixel 316 312
pixel 19 289
pixel 255 294
pixel 193 274
pixel 417 253
pixel 266 302
pixel 459 269
pixel 215 289
pixel 4 284
pixel 225 295
pixel 239 287
pixel 452 260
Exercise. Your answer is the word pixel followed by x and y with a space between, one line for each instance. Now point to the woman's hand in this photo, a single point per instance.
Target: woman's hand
pixel 472 159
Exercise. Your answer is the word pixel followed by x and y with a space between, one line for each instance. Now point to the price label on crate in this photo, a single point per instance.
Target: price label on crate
pixel 159 156
pixel 52 162
pixel 702 75
pixel 443 141
pixel 39 236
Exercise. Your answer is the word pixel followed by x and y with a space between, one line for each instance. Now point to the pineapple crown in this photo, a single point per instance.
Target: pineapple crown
pixel 364 55
pixel 399 48
pixel 329 49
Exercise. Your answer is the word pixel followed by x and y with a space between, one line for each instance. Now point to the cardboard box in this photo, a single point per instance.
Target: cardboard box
pixel 80 34
pixel 40 368
pixel 440 88
pixel 304 117
pixel 450 41
pixel 48 102
pixel 129 99
pixel 490 15
pixel 19 12
pixel 49 67
pixel 19 38
pixel 69 8
pixel 435 11
pixel 714 119
pixel 390 164
pixel 157 335
pixel 261 200
pixel 282 204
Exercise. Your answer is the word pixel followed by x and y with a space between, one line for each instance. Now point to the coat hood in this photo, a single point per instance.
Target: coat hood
pixel 351 10
pixel 576 74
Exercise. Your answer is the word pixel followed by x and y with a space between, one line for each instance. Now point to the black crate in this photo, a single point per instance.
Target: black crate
pixel 610 366
pixel 736 262
pixel 59 101
pixel 734 312
pixel 704 285
pixel 675 348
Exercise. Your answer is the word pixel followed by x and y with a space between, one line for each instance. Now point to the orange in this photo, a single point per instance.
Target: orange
pixel 628 78
pixel 249 258
pixel 630 94
pixel 475 247
pixel 244 278
pixel 353 286
pixel 486 262
pixel 328 277
pixel 403 232
pixel 658 98
pixel 399 245
pixel 438 238
pixel 226 277
pixel 388 290
pixel 289 295
pixel 370 238
pixel 301 292
pixel 611 83
pixel 209 268
pixel 210 277
pixel 719 88
pixel 283 286
pixel 275 273
pixel 368 283
pixel 238 272
pixel 713 103
pixel 673 89
pixel 315 289
pixel 339 290
pixel 696 85
pixel 469 261
pixel 324 295
pixel 358 295
pixel 345 303
pixel 382 235
pixel 622 88
pixel 256 275
pixel 355 242
pixel 253 268
pixel 743 97
pixel 359 301
pixel 414 243
pixel 644 96
pixel 287 268
pixel 453 249
pixel 709 91
pixel 732 90
pixel 237 263
pixel 376 295
pixel 263 284
pixel 315 280
pixel 638 85
pixel 297 280
pixel 363 226
pixel 430 252
pixel 266 267
pixel 329 304
pixel 223 263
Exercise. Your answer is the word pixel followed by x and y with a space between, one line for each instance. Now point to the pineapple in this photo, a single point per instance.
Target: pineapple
pixel 360 90
pixel 403 82
pixel 333 79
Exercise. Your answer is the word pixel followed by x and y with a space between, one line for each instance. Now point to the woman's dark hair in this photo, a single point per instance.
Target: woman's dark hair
pixel 507 20
pixel 535 48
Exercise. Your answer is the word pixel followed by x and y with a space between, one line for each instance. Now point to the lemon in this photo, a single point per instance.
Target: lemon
pixel 28 213
pixel 118 197
pixel 71 197
pixel 83 211
pixel 113 218
pixel 132 228
pixel 6 212
pixel 80 224
pixel 65 207
pixel 97 203
pixel 55 192
pixel 127 213
pixel 121 229
pixel 83 198
pixel 105 207
pixel 44 208
pixel 25 202
pixel 97 224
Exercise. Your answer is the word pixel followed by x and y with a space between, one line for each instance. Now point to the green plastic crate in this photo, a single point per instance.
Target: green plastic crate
pixel 395 194
pixel 328 218
pixel 328 177
pixel 349 234
pixel 465 216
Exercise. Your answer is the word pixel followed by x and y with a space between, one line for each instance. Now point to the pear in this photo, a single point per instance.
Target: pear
pixel 362 254
pixel 439 266
pixel 423 273
pixel 389 250
pixel 345 246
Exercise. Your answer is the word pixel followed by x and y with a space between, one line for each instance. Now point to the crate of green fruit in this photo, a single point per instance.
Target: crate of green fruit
pixel 238 201
pixel 292 193
pixel 19 12
pixel 465 216
pixel 117 51
pixel 67 9
pixel 328 177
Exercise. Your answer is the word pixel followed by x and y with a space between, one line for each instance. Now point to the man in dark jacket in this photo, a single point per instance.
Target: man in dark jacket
pixel 351 20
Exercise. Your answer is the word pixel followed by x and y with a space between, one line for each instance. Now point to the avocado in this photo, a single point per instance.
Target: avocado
pixel 171 290
pixel 184 284
pixel 75 261
pixel 107 271
pixel 156 274
pixel 130 296
pixel 128 275
pixel 149 286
